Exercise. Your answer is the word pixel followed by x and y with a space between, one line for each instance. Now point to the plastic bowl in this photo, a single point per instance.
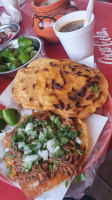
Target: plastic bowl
pixel 14 44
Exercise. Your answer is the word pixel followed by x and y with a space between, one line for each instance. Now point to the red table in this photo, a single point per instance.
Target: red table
pixel 103 59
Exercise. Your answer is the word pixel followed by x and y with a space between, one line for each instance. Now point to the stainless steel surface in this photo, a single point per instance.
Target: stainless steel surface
pixel 14 27
pixel 14 44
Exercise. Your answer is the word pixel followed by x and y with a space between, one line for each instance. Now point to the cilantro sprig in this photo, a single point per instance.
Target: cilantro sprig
pixel 8 170
pixel 80 177
pixel 94 88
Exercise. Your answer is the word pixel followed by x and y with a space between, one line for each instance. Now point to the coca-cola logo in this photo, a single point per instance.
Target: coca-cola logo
pixel 104 44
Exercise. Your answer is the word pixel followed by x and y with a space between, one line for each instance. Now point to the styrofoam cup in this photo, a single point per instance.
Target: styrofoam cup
pixel 78 44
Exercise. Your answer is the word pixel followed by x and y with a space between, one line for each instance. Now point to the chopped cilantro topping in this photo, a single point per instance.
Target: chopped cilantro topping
pixel 77 145
pixel 57 161
pixel 73 149
pixel 9 156
pixel 42 137
pixel 50 167
pixel 59 153
pixel 80 177
pixel 27 166
pixel 8 170
pixel 54 166
pixel 64 140
pixel 38 139
pixel 32 133
pixel 73 134
pixel 94 88
pixel 80 152
pixel 57 143
pixel 38 170
pixel 30 119
pixel 66 184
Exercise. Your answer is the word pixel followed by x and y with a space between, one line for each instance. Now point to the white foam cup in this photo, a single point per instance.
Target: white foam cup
pixel 78 44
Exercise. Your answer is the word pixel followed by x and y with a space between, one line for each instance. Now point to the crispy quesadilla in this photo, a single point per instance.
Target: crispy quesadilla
pixel 70 89
pixel 23 90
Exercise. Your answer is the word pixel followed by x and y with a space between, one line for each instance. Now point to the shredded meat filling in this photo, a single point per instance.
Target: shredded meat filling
pixel 68 165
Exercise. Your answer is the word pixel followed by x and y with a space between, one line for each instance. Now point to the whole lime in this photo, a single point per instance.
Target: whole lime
pixel 11 116
pixel 2 124
pixel 23 58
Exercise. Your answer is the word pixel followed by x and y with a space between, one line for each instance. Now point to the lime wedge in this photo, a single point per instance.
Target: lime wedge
pixel 23 58
pixel 3 68
pixel 2 124
pixel 7 65
pixel 11 116
pixel 33 53
pixel 29 49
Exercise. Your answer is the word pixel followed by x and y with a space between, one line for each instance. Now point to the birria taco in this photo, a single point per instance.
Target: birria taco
pixel 43 150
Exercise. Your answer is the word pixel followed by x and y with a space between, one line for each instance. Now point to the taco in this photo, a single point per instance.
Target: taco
pixel 23 89
pixel 43 150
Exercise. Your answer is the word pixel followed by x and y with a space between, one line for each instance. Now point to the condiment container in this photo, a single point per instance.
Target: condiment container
pixel 46 14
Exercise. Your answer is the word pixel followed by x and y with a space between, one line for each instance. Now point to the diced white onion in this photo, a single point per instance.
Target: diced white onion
pixel 30 158
pixel 27 150
pixel 7 149
pixel 44 130
pixel 56 148
pixel 40 153
pixel 78 140
pixel 36 183
pixel 29 126
pixel 41 136
pixel 50 147
pixel 38 146
pixel 43 154
pixel 33 143
pixel 50 155
pixel 20 130
pixel 21 144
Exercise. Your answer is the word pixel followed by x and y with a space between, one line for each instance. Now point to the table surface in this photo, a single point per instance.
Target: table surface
pixel 102 54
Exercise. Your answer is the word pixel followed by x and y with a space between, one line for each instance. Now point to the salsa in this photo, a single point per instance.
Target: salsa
pixel 72 26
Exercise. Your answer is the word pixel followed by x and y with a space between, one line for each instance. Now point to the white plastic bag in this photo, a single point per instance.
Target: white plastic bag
pixel 12 12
